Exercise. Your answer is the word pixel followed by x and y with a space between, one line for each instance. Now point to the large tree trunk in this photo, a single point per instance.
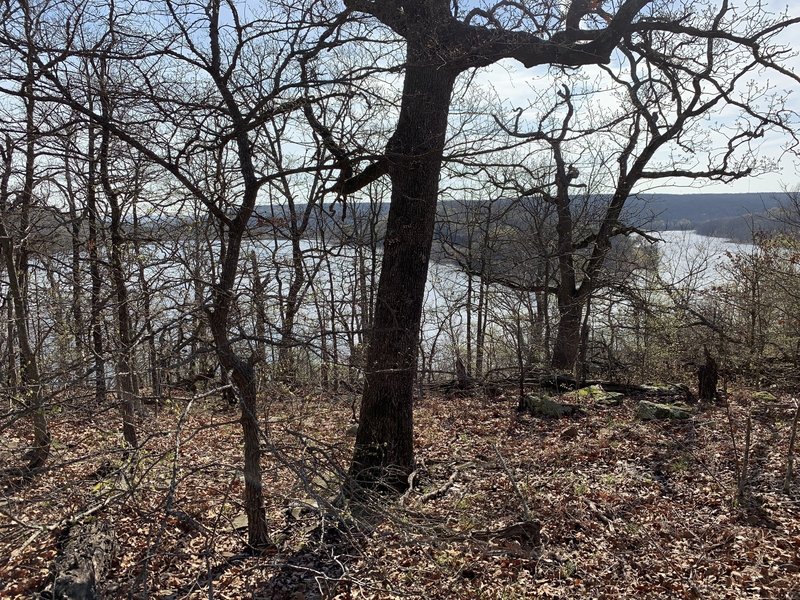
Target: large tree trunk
pixel 568 336
pixel 439 46
pixel 384 453
pixel 570 300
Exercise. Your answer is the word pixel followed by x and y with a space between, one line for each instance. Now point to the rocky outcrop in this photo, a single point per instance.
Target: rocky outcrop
pixel 546 407
pixel 649 411
pixel 598 394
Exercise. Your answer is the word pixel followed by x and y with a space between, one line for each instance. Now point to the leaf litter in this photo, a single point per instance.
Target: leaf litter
pixel 503 505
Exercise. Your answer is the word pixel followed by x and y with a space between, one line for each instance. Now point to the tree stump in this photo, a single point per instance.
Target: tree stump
pixel 462 377
pixel 707 377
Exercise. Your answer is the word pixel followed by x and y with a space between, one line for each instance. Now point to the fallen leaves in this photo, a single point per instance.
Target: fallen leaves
pixel 626 509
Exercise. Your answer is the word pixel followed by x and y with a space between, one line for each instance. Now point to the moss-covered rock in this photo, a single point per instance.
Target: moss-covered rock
pixel 546 407
pixel 648 411
pixel 599 395
pixel 764 397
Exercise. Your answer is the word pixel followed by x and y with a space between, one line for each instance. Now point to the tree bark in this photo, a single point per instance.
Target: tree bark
pixel 568 336
pixel 259 307
pixel 126 378
pixel 95 302
pixel 384 452
pixel 708 377
pixel 11 354
pixel 84 561
pixel 243 377
pixel 32 396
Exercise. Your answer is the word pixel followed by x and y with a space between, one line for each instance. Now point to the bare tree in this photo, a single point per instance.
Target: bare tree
pixel 16 257
pixel 441 43
pixel 663 100
pixel 126 377
pixel 204 123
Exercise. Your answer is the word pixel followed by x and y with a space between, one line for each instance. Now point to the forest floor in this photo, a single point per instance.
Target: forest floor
pixel 627 509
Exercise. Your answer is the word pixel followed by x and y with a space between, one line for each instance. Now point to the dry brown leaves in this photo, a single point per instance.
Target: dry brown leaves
pixel 628 509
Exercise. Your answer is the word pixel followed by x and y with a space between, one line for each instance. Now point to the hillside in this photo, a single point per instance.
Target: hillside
pixel 731 216
pixel 617 507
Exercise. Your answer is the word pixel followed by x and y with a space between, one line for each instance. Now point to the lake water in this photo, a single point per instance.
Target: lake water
pixel 688 260
pixel 692 261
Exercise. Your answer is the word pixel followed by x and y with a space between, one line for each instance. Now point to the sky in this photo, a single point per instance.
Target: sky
pixel 518 85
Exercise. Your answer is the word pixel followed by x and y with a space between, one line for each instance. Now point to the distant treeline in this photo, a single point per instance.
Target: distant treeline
pixel 731 216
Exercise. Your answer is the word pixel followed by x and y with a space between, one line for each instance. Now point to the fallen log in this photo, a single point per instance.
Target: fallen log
pixel 88 549
pixel 558 383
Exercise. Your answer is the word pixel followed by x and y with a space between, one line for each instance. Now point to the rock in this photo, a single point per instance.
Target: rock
pixel 648 411
pixel 239 522
pixel 613 399
pixel 599 395
pixel 299 509
pixel 351 430
pixel 764 397
pixel 545 407
pixel 670 392
pixel 591 391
